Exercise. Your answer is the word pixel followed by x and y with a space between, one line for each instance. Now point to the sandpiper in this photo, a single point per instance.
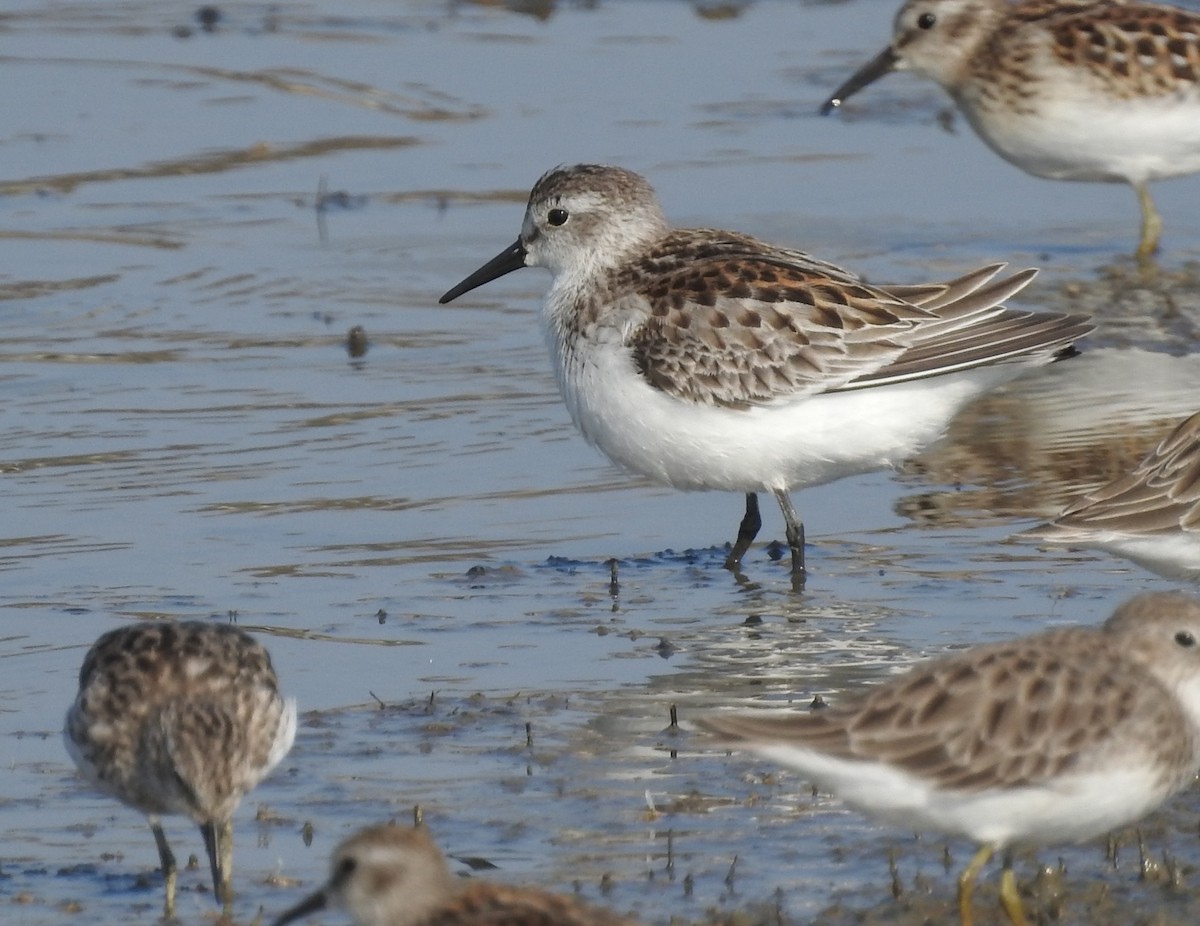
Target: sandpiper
pixel 391 875
pixel 707 359
pixel 1102 90
pixel 180 718
pixel 1052 738
pixel 1150 516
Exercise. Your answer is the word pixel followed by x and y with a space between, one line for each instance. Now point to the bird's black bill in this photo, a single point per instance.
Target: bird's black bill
pixel 877 67
pixel 510 259
pixel 310 904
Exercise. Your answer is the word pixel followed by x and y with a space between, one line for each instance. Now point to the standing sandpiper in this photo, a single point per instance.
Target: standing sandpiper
pixel 1103 90
pixel 707 359
pixel 1057 737
pixel 180 718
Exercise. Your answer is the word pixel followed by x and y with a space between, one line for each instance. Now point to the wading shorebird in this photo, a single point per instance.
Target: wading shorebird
pixel 1101 90
pixel 180 718
pixel 707 359
pixel 1052 738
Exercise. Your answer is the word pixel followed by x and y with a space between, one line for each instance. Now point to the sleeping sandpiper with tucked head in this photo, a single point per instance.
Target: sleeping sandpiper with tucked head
pixel 1101 90
pixel 180 718
pixel 707 359
pixel 390 875
pixel 1150 516
pixel 1053 738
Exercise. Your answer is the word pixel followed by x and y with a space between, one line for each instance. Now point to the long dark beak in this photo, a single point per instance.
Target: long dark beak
pixel 510 259
pixel 883 63
pixel 310 904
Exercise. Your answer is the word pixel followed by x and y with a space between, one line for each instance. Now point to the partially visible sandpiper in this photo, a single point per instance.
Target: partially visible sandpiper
pixel 390 875
pixel 1053 738
pixel 180 718
pixel 1150 516
pixel 1105 90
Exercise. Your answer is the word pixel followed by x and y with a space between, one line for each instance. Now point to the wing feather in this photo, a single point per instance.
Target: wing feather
pixel 722 319
pixel 1004 716
pixel 1160 495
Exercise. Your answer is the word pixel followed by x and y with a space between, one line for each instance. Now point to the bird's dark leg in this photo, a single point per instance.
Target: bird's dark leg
pixel 795 538
pixel 747 531
pixel 218 843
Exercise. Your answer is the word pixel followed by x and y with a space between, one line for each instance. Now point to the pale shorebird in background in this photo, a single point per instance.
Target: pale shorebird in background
pixel 1104 91
pixel 1150 516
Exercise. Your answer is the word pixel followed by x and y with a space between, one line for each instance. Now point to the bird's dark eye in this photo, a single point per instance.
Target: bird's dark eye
pixel 557 216
pixel 926 21
pixel 1185 638
pixel 345 868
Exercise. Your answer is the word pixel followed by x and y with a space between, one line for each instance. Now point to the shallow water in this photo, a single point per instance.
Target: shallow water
pixel 194 222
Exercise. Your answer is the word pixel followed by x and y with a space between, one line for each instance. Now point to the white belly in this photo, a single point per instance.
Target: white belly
pixel 1065 810
pixel 1077 135
pixel 786 445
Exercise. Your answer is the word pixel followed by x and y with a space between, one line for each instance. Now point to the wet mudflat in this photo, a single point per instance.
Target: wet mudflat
pixel 194 221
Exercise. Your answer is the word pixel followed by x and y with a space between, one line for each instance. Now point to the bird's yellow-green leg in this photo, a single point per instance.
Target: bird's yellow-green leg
pixel 166 859
pixel 1151 223
pixel 226 838
pixel 966 881
pixel 1010 899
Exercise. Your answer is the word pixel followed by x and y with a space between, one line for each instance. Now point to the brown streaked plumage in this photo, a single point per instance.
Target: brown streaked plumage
pixel 1056 737
pixel 1150 516
pixel 1093 90
pixel 734 322
pixel 180 718
pixel 1136 51
pixel 390 875
pixel 707 359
